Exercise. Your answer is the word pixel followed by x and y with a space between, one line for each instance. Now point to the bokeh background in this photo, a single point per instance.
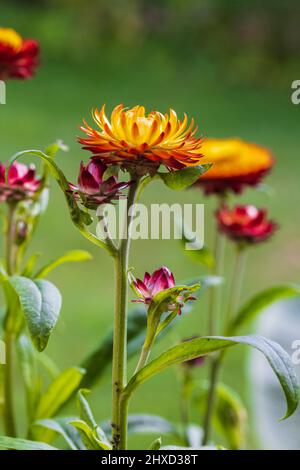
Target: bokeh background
pixel 230 65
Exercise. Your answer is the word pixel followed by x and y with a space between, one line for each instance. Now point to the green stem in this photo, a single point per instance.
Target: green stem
pixel 213 313
pixel 236 286
pixel 211 398
pixel 214 294
pixel 185 381
pixel 218 360
pixel 9 420
pixel 119 415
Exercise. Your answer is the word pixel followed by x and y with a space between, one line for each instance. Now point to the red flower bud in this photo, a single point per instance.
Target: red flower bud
pixel 158 281
pixel 18 56
pixel 21 182
pixel 245 224
pixel 92 189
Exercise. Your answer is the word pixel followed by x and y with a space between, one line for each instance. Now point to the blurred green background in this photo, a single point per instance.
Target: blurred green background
pixel 228 64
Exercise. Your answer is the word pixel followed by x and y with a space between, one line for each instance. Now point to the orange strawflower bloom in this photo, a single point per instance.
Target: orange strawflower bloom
pixel 18 56
pixel 133 138
pixel 236 164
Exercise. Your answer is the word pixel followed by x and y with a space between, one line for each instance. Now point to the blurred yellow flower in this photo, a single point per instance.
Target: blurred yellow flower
pixel 236 164
pixel 11 38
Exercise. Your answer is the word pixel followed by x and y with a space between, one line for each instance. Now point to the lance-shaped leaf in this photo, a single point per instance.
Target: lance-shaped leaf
pixel 86 416
pixel 12 443
pixel 261 301
pixel 73 256
pixel 40 301
pixel 62 427
pixel 278 359
pixel 156 444
pixel 30 373
pixel 90 436
pixel 184 178
pixel 58 392
pixel 30 265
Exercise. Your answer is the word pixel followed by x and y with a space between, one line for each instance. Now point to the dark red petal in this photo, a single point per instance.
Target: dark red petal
pixel 86 182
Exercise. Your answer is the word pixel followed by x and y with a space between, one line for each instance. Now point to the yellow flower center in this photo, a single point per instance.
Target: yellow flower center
pixel 10 37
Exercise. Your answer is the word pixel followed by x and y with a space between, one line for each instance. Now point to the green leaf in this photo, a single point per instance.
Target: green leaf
pixel 204 257
pixel 52 149
pixel 59 392
pixel 261 301
pixel 111 170
pixel 160 304
pixel 87 416
pixel 90 436
pixel 85 411
pixel 78 216
pixel 73 256
pixel 40 302
pixel 156 444
pixel 23 444
pixel 60 426
pixel 30 373
pixel 30 265
pixel 278 359
pixel 230 415
pixel 49 365
pixel 182 179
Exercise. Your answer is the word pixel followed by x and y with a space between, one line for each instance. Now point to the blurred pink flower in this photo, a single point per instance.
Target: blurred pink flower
pixel 21 182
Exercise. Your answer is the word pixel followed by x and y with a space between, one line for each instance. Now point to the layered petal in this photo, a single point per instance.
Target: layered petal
pixel 131 136
pixel 245 224
pixel 91 189
pixel 21 182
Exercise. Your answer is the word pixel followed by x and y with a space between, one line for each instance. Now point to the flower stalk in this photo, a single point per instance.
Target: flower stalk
pixel 121 256
pixel 234 297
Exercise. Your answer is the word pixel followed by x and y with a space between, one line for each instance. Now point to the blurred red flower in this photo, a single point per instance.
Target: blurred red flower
pixel 21 182
pixel 246 224
pixel 18 56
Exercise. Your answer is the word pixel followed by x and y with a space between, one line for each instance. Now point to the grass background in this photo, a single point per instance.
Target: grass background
pixel 52 106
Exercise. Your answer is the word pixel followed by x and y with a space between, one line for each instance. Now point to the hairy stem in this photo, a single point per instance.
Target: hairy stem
pixel 119 415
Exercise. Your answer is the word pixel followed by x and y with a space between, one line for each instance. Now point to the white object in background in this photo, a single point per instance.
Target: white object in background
pixel 281 323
